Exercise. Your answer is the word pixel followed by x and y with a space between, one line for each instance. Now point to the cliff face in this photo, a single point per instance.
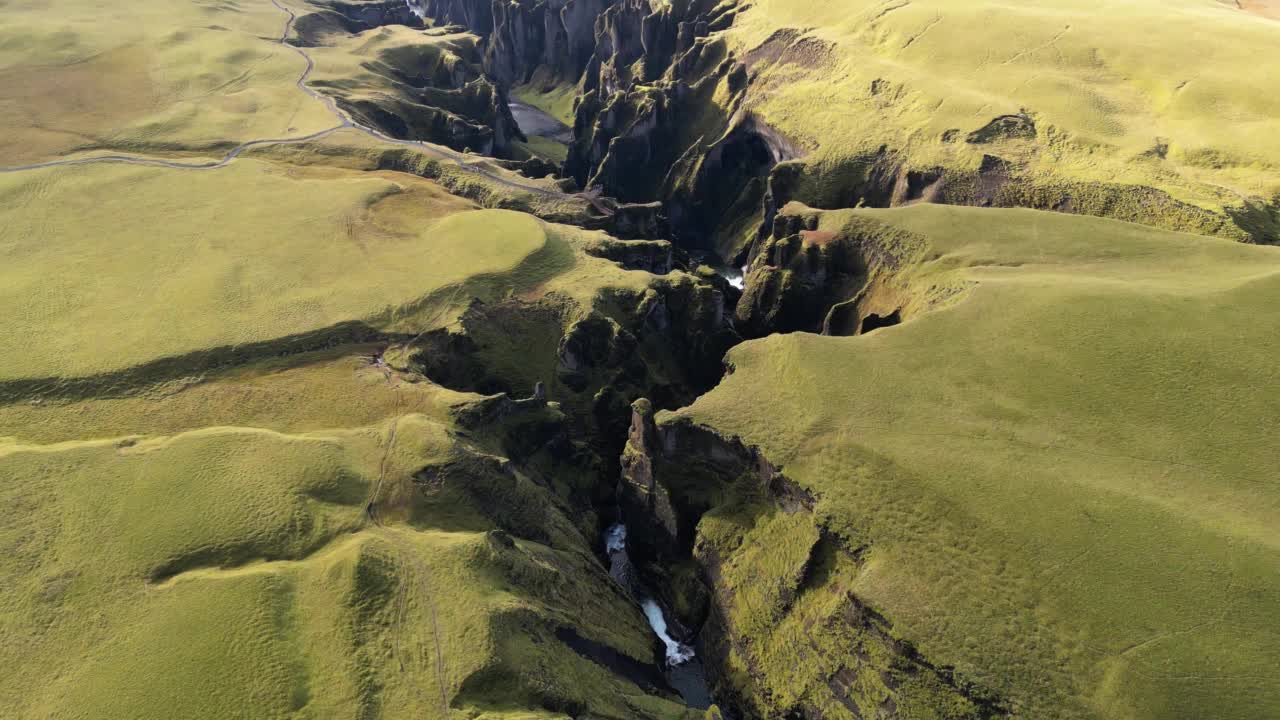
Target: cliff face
pixel 642 500
pixel 472 116
pixel 665 342
pixel 807 277
pixel 365 15
pixel 782 636
pixel 474 15
pixel 551 40
pixel 658 117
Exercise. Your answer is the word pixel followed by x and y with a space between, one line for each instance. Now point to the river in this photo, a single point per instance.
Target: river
pixel 535 122
pixel 683 669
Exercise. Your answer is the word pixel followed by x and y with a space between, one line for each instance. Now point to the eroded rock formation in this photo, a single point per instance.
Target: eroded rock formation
pixel 830 281
pixel 758 643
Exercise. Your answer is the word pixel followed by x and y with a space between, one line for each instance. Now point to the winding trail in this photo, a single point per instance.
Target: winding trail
pixel 346 121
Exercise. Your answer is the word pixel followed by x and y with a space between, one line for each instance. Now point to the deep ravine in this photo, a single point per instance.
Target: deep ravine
pixel 676 657
pixel 683 668
pixel 647 496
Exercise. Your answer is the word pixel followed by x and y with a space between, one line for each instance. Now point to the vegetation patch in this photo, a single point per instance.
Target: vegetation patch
pixel 1028 466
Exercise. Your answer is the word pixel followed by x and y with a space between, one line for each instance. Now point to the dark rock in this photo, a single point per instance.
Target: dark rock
pixel 644 502
pixel 652 256
pixel 1005 127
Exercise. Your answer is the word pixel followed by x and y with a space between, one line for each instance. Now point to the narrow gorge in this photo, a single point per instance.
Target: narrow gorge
pixel 663 140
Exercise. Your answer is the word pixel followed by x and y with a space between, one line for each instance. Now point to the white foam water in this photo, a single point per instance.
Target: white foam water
pixel 677 652
pixel 415 9
pixel 615 538
pixel 615 541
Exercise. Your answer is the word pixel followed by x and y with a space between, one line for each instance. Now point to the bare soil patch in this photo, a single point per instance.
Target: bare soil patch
pixel 1265 8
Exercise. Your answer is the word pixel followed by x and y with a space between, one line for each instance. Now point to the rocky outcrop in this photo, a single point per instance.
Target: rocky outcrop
pixel 472 117
pixel 755 643
pixel 551 40
pixel 654 68
pixel 360 15
pixel 474 15
pixel 652 256
pixel 643 501
pixel 666 342
pixel 884 179
pixel 645 69
pixel 638 220
pixel 829 281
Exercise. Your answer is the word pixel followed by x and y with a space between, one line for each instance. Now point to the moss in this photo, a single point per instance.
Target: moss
pixel 1143 205
pixel 1021 474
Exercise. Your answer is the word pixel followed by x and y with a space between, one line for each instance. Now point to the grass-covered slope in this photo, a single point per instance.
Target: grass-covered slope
pixel 221 501
pixel 115 266
pixel 1179 96
pixel 210 552
pixel 167 76
pixel 1059 468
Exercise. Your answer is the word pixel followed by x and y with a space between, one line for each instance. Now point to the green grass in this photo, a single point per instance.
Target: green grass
pixel 556 102
pixel 1176 95
pixel 547 148
pixel 209 552
pixel 302 394
pixel 170 77
pixel 1062 473
pixel 115 266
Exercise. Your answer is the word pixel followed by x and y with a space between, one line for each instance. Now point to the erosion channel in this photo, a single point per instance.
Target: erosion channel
pixel 705 217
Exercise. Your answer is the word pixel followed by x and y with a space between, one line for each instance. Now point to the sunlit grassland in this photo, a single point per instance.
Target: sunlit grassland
pixel 209 548
pixel 1176 95
pixel 111 266
pixel 1063 474
pixel 162 78
pixel 556 102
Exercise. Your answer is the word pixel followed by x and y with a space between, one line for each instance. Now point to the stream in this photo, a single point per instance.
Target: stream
pixel 683 669
pixel 537 123
pixel 737 276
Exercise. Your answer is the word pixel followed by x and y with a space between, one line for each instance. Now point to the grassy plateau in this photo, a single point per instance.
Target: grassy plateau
pixel 1176 95
pixel 1059 466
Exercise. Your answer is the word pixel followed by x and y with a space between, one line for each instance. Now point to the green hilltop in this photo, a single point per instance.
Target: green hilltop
pixel 1174 96
pixel 1059 479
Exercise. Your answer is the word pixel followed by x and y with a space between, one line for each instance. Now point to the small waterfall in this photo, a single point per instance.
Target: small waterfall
pixel 737 277
pixel 615 539
pixel 677 652
pixel 684 671
pixel 416 9
pixel 615 543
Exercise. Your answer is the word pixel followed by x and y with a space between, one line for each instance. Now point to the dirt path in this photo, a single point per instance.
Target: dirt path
pixel 1265 8
pixel 345 122
pixel 413 566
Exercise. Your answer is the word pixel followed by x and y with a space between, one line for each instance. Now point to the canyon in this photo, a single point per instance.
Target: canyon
pixel 701 360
